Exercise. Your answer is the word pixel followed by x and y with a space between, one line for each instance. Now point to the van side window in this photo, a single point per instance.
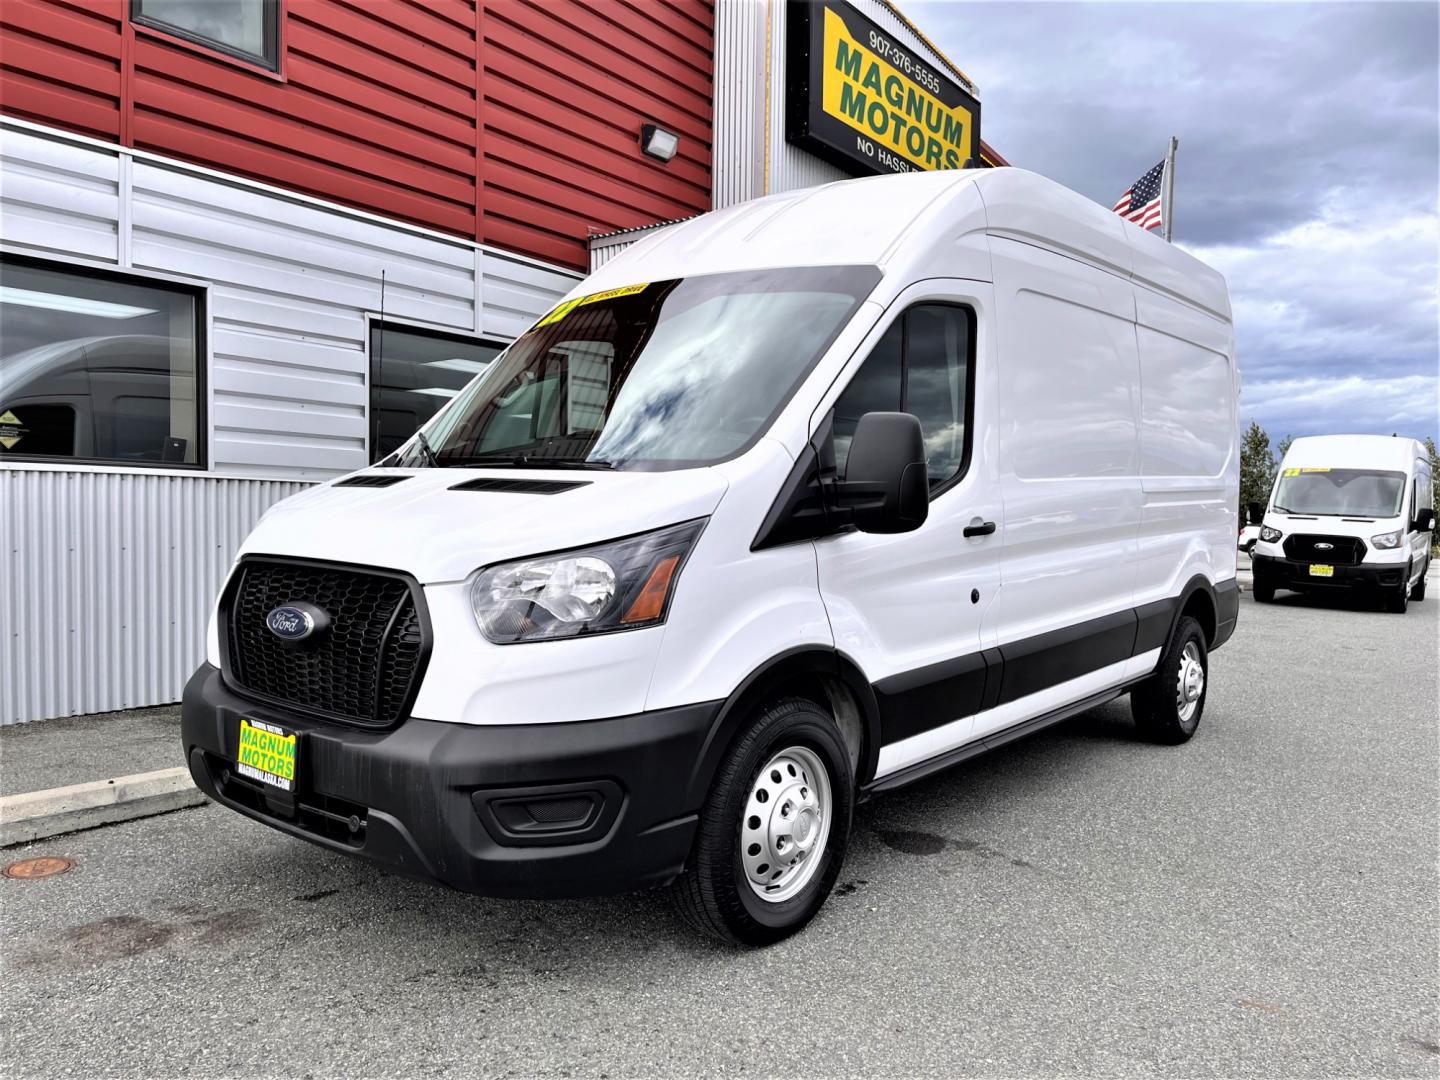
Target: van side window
pixel 875 388
pixel 920 366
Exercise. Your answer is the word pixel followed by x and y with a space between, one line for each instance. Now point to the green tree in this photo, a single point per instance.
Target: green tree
pixel 1283 448
pixel 1257 467
pixel 1434 470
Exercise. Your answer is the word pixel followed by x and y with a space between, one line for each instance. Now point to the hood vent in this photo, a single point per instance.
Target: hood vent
pixel 519 487
pixel 371 480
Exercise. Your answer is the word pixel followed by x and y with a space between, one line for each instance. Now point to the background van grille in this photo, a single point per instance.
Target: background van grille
pixel 1343 550
pixel 364 669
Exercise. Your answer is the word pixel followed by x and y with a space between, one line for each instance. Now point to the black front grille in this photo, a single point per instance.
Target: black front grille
pixel 364 668
pixel 1342 550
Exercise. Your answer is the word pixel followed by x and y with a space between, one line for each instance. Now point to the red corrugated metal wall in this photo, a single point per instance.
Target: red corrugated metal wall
pixel 512 122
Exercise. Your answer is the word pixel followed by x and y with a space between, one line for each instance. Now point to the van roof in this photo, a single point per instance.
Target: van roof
pixel 1353 452
pixel 886 220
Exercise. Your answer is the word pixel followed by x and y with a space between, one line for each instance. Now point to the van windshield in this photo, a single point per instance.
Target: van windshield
pixel 664 374
pixel 1367 493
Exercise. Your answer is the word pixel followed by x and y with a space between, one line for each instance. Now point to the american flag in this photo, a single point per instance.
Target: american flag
pixel 1141 203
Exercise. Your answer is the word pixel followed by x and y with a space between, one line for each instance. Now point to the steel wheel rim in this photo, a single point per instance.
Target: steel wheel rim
pixel 1189 682
pixel 786 824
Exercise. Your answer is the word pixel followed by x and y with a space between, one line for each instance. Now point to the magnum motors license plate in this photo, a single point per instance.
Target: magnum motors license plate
pixel 1321 570
pixel 267 753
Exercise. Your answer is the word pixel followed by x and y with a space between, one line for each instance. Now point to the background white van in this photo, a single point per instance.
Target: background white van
pixel 788 505
pixel 1348 512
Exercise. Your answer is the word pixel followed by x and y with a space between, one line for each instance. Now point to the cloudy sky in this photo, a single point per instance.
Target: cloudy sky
pixel 1307 172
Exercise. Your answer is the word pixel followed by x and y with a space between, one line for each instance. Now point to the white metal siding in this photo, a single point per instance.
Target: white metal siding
pixel 739 133
pixel 59 198
pixel 107 580
pixel 107 576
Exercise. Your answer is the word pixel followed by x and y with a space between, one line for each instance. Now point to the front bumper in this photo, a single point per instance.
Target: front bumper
pixel 1294 574
pixel 577 809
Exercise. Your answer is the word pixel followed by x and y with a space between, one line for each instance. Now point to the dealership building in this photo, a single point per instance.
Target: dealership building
pixel 250 245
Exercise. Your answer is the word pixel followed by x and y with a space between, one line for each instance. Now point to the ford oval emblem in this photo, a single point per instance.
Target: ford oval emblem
pixel 1322 546
pixel 290 623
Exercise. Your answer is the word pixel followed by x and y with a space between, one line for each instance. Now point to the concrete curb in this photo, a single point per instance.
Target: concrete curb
pixel 34 815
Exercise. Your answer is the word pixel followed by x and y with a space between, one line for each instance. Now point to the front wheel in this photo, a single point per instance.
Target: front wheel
pixel 773 831
pixel 1418 592
pixel 1167 706
pixel 1263 591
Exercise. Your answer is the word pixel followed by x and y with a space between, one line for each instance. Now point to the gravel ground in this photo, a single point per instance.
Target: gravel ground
pixel 1263 901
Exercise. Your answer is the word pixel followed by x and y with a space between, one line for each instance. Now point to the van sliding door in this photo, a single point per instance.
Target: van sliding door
pixel 1069 478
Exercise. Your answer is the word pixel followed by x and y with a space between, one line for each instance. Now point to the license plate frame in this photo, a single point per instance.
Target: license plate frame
pixel 267 754
pixel 1324 570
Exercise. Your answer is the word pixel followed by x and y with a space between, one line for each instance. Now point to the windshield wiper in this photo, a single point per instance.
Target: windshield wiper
pixel 525 461
pixel 428 450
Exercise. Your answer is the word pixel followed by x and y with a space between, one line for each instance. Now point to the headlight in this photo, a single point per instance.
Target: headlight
pixel 1269 535
pixel 623 585
pixel 1388 541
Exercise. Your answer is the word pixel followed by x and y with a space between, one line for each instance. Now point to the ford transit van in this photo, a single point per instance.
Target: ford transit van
pixel 1348 513
pixel 787 506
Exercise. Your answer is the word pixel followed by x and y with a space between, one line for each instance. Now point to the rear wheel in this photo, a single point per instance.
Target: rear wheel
pixel 773 831
pixel 1167 706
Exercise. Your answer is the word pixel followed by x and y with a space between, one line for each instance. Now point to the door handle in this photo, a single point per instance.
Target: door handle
pixel 984 528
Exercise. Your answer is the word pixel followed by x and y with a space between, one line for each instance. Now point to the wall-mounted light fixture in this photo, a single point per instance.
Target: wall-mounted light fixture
pixel 659 143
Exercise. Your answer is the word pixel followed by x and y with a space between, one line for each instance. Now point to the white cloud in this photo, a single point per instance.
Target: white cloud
pixel 1308 171
pixel 1335 321
pixel 1406 405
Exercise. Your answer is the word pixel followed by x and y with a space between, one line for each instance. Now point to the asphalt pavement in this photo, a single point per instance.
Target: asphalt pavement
pixel 1263 901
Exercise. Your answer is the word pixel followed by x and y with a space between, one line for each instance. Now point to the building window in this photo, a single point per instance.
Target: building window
pixel 412 374
pixel 98 367
pixel 247 29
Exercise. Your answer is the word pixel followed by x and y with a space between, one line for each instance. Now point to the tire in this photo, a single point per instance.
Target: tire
pixel 1250 547
pixel 1418 592
pixel 1264 592
pixel 1397 601
pixel 1168 705
pixel 719 893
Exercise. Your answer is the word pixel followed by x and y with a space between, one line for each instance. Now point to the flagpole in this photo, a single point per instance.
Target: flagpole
pixel 1168 191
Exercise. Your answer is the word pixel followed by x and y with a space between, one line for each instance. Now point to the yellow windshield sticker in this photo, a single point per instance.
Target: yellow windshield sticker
pixel 561 310
pixel 615 294
pixel 558 312
pixel 1326 469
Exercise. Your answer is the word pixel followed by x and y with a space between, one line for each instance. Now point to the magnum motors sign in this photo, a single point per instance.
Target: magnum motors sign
pixel 868 104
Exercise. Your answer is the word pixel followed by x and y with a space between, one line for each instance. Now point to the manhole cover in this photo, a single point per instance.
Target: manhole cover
pixel 45 866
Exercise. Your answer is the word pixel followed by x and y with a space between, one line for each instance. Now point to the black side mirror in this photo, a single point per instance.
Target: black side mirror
pixel 1424 520
pixel 1255 511
pixel 886 486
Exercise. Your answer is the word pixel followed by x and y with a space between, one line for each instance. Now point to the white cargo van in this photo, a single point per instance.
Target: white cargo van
pixel 788 505
pixel 1348 512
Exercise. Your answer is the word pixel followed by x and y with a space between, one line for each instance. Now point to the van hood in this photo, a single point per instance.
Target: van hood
pixel 1363 527
pixel 422 525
